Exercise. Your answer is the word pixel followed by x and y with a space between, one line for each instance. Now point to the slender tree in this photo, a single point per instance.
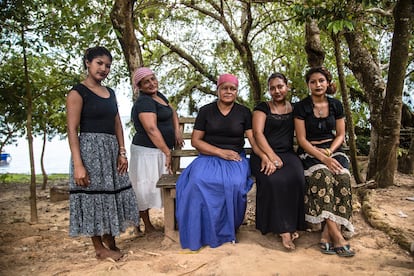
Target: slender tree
pixel 392 105
pixel 345 100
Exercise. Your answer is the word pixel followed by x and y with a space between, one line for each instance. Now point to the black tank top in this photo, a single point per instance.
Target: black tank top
pixel 98 114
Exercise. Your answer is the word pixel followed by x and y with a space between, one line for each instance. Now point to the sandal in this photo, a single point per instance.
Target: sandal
pixel 294 236
pixel 344 251
pixel 327 248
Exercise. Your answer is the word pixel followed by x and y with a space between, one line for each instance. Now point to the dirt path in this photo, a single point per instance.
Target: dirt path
pixel 46 249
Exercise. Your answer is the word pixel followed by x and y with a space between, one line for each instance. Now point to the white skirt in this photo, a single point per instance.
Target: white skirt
pixel 145 169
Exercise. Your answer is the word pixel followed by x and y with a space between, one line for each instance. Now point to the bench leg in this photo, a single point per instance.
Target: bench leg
pixel 169 214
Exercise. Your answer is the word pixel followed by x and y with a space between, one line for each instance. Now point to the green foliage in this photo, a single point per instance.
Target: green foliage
pixel 12 115
pixel 199 30
pixel 17 178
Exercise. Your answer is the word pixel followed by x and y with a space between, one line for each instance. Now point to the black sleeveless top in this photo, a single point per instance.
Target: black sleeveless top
pixel 278 128
pixel 98 114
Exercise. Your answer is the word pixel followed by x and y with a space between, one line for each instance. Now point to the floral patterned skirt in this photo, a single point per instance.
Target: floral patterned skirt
pixel 327 195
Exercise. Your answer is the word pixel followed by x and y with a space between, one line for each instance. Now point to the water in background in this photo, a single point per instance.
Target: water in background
pixel 57 154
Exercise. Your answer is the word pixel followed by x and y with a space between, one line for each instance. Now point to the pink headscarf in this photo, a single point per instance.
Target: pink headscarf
pixel 141 73
pixel 227 78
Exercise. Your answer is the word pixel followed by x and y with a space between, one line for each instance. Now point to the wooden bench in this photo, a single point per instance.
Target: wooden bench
pixel 167 181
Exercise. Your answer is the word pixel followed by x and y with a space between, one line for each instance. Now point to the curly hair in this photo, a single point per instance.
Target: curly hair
pixel 322 70
pixel 94 52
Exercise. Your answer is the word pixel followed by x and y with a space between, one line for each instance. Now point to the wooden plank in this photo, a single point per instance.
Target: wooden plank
pixel 184 153
pixel 167 181
pixel 186 120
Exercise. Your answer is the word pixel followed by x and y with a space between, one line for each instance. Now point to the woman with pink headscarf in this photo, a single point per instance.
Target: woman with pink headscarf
pixel 157 132
pixel 211 191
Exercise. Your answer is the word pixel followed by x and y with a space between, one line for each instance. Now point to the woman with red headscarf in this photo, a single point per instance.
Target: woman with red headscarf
pixel 211 191
pixel 157 132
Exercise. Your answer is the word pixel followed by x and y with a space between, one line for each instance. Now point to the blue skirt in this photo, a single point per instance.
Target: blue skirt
pixel 211 200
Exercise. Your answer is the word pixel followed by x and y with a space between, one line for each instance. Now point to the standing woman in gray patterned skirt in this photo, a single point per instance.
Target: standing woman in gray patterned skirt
pixel 102 201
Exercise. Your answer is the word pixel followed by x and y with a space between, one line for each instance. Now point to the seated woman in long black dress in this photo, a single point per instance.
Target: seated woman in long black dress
pixel 279 174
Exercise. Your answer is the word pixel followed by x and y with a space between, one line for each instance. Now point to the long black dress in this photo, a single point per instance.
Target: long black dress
pixel 280 196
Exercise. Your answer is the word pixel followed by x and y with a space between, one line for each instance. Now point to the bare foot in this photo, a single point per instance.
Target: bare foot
pixel 287 241
pixel 107 253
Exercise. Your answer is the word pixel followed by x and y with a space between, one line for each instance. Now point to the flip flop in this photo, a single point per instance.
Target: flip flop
pixel 344 251
pixel 294 236
pixel 327 248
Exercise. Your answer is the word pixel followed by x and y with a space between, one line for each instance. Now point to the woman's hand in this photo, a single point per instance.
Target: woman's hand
pixel 230 155
pixel 81 176
pixel 272 166
pixel 179 141
pixel 333 165
pixel 168 162
pixel 267 167
pixel 122 164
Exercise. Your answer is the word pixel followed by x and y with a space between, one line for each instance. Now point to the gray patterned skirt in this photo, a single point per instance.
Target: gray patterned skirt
pixel 327 195
pixel 108 205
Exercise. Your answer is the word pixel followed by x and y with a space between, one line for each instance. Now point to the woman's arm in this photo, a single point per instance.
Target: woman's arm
pixel 149 123
pixel 340 135
pixel 179 141
pixel 122 165
pixel 267 166
pixel 259 119
pixel 74 104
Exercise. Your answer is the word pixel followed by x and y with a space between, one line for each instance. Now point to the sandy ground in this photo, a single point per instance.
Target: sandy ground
pixel 45 248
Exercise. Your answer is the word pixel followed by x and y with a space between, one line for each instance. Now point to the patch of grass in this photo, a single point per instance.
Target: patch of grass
pixel 8 178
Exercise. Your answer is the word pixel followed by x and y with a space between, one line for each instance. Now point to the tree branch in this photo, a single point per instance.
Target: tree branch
pixel 198 66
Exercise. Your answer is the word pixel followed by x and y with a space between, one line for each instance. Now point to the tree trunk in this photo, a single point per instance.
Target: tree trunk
pixel 122 17
pixel 348 113
pixel 29 110
pixel 313 48
pixel 368 73
pixel 42 160
pixel 391 115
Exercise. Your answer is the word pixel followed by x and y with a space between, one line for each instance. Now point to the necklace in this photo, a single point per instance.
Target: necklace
pixel 276 107
pixel 319 110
